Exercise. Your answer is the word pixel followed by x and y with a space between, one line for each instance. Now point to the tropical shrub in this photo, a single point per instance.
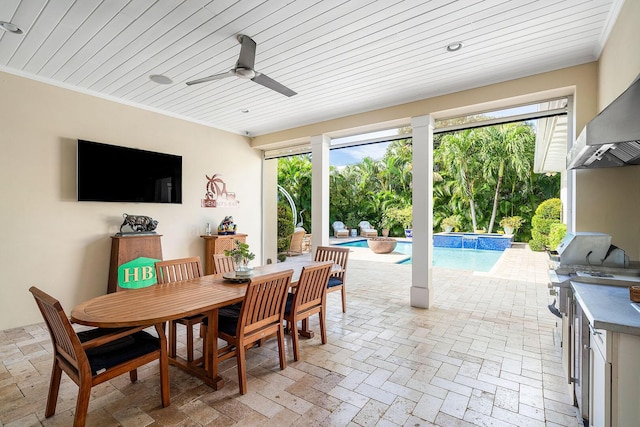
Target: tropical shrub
pixel 285 230
pixel 452 221
pixel 401 216
pixel 556 234
pixel 548 212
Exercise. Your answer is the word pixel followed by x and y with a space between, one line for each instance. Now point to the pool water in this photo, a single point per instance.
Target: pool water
pixel 459 259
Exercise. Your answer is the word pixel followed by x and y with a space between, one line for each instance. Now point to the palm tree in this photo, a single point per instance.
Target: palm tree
pixel 504 148
pixel 458 156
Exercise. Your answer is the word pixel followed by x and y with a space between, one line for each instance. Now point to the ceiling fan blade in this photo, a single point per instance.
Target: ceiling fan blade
pixel 229 73
pixel 247 52
pixel 272 84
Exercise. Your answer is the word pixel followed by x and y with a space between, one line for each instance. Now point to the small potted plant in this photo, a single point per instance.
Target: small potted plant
pixel 510 224
pixel 241 255
pixel 387 223
pixel 403 216
pixel 351 223
pixel 449 223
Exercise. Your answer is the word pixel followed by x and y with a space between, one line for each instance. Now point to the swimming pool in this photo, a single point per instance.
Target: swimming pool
pixel 459 259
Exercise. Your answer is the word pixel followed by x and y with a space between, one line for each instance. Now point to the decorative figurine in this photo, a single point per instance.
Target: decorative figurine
pixel 227 226
pixel 138 224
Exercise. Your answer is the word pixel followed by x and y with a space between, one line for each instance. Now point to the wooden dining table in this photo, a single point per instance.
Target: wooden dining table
pixel 158 304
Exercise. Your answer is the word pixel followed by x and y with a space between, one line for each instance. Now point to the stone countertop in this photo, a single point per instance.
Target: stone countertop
pixel 608 307
pixel 564 280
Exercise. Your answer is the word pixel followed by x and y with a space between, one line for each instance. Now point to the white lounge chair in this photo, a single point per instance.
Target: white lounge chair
pixel 339 229
pixel 366 230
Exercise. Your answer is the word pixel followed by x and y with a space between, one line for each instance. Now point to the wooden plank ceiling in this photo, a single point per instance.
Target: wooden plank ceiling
pixel 341 57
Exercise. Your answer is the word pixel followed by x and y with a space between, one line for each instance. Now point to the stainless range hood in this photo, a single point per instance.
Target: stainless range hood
pixel 612 138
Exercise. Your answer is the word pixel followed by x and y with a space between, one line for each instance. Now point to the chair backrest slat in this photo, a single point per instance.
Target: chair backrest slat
pixel 264 302
pixel 176 270
pixel 223 264
pixel 337 255
pixel 65 341
pixel 312 286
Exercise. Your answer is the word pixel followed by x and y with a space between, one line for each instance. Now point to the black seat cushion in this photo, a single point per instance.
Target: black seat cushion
pixel 119 351
pixel 334 281
pixel 287 307
pixel 231 311
pixel 228 324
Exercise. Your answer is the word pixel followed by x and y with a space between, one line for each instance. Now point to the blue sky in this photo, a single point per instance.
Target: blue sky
pixel 346 156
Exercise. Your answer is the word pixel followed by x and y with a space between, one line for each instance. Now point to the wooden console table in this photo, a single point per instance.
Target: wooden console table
pixel 127 248
pixel 217 244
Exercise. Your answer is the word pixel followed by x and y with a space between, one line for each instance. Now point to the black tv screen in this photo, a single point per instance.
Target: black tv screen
pixel 109 173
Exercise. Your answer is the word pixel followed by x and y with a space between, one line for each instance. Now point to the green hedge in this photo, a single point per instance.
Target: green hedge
pixel 547 214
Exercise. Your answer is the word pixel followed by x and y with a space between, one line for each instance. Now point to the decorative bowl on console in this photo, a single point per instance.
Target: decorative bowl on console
pixel 382 245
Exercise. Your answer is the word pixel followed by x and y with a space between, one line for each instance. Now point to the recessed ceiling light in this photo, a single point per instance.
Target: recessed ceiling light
pixel 10 27
pixel 160 79
pixel 454 47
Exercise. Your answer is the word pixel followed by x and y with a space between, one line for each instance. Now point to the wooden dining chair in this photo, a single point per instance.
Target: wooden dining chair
pixel 223 264
pixel 97 355
pixel 177 270
pixel 261 316
pixel 309 298
pixel 337 280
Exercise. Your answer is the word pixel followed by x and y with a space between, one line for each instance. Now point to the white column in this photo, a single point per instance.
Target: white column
pixel 568 179
pixel 421 269
pixel 270 211
pixel 320 190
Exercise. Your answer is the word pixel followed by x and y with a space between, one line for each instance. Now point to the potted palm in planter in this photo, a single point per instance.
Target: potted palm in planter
pixel 449 223
pixel 241 255
pixel 510 224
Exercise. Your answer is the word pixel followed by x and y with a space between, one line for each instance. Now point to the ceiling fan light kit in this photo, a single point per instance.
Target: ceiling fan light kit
pixel 244 69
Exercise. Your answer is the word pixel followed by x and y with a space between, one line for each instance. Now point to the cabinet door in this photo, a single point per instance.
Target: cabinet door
pixel 599 388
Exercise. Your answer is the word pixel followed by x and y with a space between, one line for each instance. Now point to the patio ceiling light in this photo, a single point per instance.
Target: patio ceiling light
pixel 160 79
pixel 10 27
pixel 454 47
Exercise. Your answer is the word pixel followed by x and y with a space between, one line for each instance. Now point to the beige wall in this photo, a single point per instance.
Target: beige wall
pixel 49 239
pixel 608 200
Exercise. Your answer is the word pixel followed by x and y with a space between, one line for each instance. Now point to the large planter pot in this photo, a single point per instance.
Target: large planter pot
pixel 382 245
pixel 508 230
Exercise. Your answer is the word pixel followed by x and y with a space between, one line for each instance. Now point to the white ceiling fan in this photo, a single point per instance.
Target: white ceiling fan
pixel 244 69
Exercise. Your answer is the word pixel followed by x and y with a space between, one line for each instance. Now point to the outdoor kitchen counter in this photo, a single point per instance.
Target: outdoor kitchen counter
pixel 608 307
pixel 622 277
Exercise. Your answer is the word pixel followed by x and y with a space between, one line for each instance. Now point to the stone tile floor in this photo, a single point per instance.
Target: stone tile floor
pixel 486 354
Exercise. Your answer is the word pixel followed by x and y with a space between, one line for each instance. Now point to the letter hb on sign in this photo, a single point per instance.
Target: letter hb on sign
pixel 137 273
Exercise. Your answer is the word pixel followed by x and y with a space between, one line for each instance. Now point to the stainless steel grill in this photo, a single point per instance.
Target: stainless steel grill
pixel 591 258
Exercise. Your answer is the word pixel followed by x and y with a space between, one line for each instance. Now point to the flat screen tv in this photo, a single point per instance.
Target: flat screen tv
pixel 110 173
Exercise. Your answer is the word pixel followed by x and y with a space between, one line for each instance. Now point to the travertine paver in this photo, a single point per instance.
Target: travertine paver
pixel 485 354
